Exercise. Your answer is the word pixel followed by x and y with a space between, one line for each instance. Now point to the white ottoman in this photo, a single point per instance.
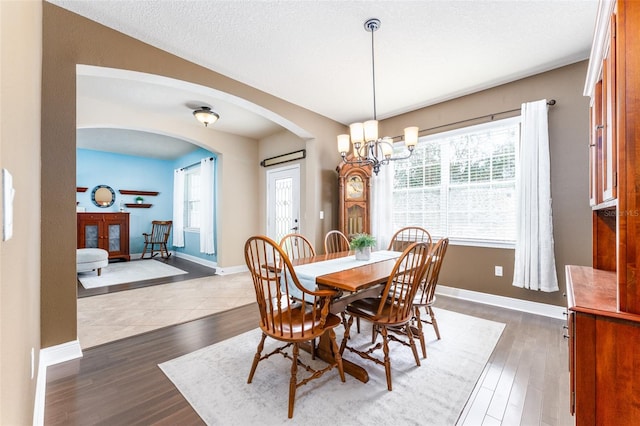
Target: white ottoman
pixel 88 259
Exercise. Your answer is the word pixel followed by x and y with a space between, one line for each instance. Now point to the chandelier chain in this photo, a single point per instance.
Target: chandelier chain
pixel 373 73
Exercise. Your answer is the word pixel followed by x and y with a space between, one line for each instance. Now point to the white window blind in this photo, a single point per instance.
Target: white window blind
pixel 461 184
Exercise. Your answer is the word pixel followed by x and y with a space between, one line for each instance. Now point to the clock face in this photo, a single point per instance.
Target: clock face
pixel 355 187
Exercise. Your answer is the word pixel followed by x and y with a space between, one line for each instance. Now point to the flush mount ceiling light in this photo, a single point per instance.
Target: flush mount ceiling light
pixel 206 116
pixel 368 148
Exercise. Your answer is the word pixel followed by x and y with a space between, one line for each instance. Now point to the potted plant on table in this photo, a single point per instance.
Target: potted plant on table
pixel 362 244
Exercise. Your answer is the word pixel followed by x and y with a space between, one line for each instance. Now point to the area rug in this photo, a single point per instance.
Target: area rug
pixel 127 272
pixel 214 380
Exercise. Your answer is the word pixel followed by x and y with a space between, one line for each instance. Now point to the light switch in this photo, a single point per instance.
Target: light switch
pixel 7 205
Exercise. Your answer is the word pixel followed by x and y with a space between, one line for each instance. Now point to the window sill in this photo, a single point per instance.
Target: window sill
pixel 478 243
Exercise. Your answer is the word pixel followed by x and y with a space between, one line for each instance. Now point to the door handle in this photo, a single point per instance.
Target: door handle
pixel 295 228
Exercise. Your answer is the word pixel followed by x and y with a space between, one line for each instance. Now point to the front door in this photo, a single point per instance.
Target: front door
pixel 283 201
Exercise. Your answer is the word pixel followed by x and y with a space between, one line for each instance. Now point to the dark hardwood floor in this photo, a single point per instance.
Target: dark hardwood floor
pixel 120 383
pixel 194 270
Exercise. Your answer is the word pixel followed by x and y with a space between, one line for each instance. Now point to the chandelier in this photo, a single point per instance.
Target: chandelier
pixel 368 148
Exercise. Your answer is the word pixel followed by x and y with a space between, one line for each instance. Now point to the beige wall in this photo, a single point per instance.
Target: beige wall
pixel 20 65
pixel 69 40
pixel 473 268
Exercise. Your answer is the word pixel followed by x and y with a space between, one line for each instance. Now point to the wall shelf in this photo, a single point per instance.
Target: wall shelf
pixel 81 189
pixel 138 206
pixel 134 192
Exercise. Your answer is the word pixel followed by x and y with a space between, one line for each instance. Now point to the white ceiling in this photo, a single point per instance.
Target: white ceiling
pixel 316 54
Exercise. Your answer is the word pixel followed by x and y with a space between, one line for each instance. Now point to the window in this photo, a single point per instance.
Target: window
pixel 461 184
pixel 192 198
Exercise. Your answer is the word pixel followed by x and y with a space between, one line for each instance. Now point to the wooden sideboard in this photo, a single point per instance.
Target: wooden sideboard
pixel 108 231
pixel 603 351
pixel 604 300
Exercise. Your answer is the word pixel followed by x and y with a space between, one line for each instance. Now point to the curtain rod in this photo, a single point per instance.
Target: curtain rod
pixel 550 102
pixel 194 164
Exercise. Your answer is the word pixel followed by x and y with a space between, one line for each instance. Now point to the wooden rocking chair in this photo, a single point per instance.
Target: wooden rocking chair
pixel 156 241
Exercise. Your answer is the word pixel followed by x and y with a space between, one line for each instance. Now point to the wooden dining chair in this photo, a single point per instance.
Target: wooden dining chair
pixel 156 241
pixel 284 319
pixel 335 241
pixel 407 235
pixel 393 310
pixel 297 246
pixel 425 297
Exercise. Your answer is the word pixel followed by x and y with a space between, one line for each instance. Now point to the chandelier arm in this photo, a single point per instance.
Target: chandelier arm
pixel 400 158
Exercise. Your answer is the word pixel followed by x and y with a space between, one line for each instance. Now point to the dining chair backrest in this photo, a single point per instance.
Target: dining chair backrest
pixel 407 235
pixel 428 287
pixel 297 246
pixel 403 283
pixel 276 305
pixel 335 241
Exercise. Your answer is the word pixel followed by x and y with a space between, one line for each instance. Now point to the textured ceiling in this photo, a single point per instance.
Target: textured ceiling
pixel 317 54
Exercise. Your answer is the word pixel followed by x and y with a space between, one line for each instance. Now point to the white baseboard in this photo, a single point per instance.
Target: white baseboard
pixel 537 308
pixel 231 270
pixel 199 260
pixel 51 356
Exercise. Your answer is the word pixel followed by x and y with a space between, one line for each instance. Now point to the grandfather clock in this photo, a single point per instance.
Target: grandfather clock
pixel 355 199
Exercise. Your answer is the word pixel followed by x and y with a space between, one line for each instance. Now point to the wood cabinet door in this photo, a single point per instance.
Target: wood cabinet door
pixel 608 153
pixel 113 238
pixel 89 231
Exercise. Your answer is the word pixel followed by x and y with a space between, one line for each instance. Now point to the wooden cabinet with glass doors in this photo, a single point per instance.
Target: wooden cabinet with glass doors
pixel 108 231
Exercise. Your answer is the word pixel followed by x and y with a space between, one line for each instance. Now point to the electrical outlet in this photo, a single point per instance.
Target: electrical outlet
pixel 498 271
pixel 321 214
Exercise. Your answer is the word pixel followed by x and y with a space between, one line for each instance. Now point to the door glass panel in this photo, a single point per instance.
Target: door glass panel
pixel 114 238
pixel 91 236
pixel 284 207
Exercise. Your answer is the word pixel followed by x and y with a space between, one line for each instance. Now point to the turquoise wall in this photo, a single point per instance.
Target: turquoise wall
pixel 136 173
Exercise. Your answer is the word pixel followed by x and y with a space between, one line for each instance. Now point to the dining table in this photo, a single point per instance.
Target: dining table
pixel 352 279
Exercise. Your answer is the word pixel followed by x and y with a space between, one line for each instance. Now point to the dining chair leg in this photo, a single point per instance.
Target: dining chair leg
pixel 387 360
pixel 293 382
pixel 336 353
pixel 412 342
pixel 347 330
pixel 256 358
pixel 420 332
pixel 434 322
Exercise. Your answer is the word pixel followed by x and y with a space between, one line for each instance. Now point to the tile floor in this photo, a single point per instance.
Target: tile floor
pixel 113 316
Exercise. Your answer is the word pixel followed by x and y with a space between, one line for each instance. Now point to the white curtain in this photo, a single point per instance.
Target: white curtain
pixel 206 206
pixel 381 203
pixel 178 208
pixel 535 266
